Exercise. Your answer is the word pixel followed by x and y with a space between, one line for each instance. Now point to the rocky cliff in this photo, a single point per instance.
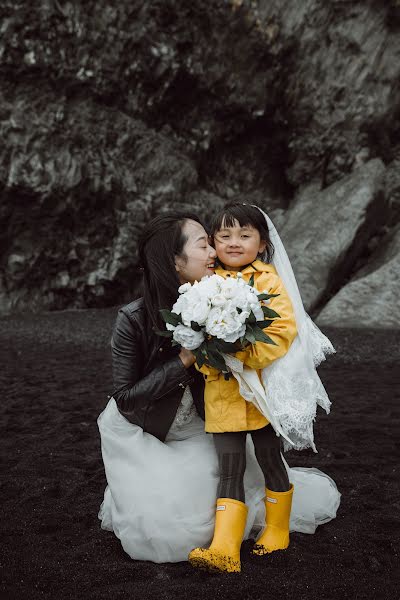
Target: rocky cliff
pixel 111 112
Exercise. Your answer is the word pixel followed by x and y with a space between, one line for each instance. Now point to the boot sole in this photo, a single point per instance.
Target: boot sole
pixel 202 564
pixel 262 550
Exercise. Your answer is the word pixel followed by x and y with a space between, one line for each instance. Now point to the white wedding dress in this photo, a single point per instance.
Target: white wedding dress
pixel 160 497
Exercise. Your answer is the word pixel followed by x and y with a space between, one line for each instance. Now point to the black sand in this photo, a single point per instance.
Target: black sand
pixel 55 376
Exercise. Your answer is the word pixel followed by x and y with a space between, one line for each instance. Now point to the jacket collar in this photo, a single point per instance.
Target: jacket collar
pixel 256 266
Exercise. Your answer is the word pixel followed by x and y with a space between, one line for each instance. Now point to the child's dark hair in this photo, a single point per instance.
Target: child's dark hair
pixel 245 214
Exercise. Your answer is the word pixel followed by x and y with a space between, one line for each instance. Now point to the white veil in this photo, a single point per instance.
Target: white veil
pixel 292 382
pixel 291 388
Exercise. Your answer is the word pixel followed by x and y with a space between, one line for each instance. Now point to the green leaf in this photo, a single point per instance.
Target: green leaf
pixel 249 335
pixel 251 280
pixel 200 359
pixel 271 314
pixel 195 326
pixel 251 318
pixel 215 359
pixel 261 336
pixel 170 317
pixel 267 296
pixel 264 324
pixel 226 347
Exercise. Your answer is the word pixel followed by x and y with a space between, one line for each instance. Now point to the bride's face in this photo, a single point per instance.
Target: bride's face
pixel 197 258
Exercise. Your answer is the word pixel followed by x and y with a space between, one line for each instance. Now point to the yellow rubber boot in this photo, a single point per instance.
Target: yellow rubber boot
pixel 224 552
pixel 277 515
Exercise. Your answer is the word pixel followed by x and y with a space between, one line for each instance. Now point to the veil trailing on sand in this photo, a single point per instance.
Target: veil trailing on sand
pixel 291 388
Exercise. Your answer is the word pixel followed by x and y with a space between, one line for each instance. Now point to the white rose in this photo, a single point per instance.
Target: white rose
pixel 241 299
pixel 194 307
pixel 218 300
pixel 170 327
pixel 236 333
pixel 184 288
pixel 225 325
pixel 228 292
pixel 188 338
pixel 257 312
pixel 243 315
pixel 210 286
pixel 228 286
pixel 199 312
pixel 251 296
pixel 180 304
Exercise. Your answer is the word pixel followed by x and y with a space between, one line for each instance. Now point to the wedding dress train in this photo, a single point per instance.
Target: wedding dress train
pixel 160 497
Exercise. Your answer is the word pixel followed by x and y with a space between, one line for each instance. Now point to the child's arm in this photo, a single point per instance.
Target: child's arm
pixel 282 331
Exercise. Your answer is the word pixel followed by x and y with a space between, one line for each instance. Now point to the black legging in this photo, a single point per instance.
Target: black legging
pixel 231 451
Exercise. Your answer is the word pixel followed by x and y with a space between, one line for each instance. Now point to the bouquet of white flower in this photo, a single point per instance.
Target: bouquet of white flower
pixel 216 316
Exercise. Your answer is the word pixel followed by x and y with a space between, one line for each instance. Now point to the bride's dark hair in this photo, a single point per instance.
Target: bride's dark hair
pixel 160 242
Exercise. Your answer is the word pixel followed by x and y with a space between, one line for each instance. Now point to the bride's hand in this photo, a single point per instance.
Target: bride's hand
pixel 187 357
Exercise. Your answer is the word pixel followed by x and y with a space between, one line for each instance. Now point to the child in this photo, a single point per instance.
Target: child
pixel 242 242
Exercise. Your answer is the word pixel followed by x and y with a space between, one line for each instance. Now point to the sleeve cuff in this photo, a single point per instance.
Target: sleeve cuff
pixel 182 373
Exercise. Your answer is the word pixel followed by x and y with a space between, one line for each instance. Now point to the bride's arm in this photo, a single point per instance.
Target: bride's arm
pixel 132 391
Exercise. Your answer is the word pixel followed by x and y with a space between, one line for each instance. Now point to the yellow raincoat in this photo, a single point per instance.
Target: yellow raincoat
pixel 225 408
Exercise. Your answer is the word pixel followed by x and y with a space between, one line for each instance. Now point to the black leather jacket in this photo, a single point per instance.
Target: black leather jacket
pixel 149 377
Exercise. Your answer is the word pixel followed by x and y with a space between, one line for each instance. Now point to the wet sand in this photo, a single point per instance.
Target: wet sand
pixel 55 376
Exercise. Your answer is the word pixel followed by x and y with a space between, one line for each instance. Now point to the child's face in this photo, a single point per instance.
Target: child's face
pixel 238 246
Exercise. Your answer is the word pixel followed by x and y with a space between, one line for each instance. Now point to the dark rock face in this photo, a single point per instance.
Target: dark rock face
pixel 325 233
pixel 342 92
pixel 371 299
pixel 111 112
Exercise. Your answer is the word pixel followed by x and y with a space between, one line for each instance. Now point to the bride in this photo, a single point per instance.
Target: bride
pixel 161 467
